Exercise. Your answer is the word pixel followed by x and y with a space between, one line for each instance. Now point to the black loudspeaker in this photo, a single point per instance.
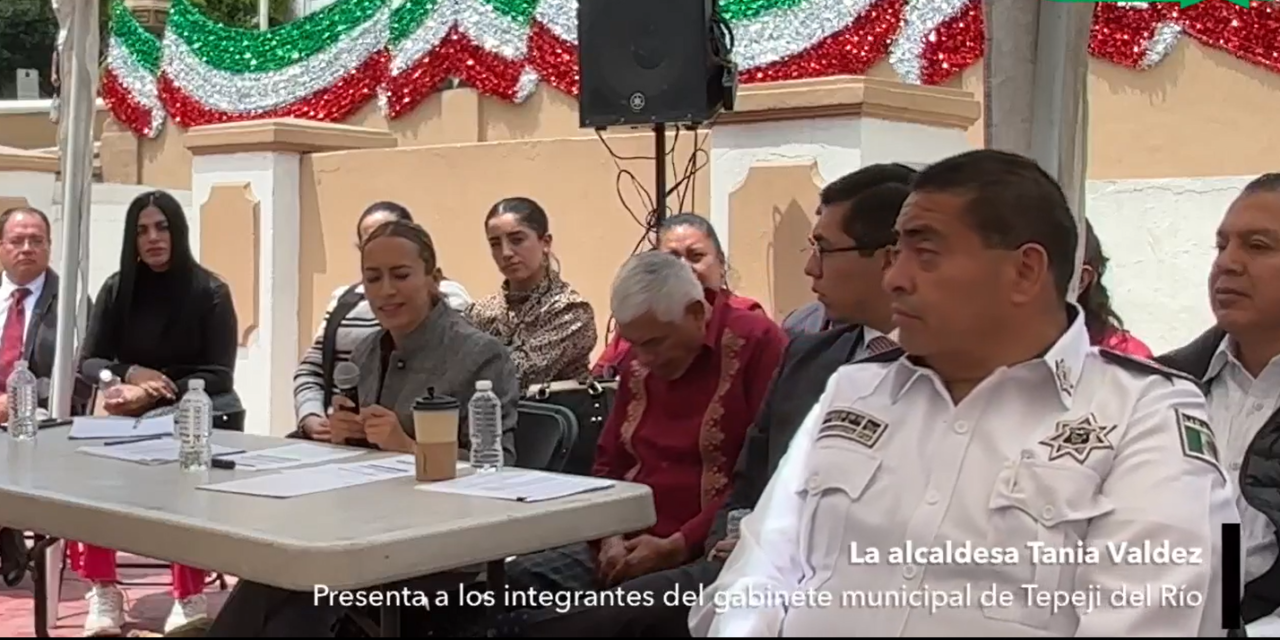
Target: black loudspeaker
pixel 645 62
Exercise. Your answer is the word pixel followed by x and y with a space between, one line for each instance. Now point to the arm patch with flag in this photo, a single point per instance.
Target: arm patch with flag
pixel 1197 438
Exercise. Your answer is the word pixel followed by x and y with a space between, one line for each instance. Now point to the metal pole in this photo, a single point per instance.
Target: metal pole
pixel 77 165
pixel 659 178
pixel 264 15
pixel 1060 106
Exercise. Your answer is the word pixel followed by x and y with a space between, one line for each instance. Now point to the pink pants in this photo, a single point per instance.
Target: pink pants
pixel 98 565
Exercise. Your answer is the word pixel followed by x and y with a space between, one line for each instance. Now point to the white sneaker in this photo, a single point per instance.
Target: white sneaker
pixel 106 611
pixel 185 611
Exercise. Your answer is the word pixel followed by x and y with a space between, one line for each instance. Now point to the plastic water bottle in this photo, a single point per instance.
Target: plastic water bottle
pixel 484 414
pixel 194 424
pixel 108 384
pixel 22 390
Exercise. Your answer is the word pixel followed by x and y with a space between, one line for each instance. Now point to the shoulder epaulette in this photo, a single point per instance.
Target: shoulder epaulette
pixel 1144 366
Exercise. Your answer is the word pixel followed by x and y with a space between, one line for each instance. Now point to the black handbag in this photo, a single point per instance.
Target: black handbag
pixel 590 401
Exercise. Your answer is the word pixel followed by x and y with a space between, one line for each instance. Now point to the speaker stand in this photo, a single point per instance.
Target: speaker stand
pixel 659 178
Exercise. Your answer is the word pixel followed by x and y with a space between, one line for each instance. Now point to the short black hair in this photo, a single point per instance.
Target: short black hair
pixel 1265 183
pixel 1011 202
pixel 871 217
pixel 875 194
pixel 851 185
pixel 10 213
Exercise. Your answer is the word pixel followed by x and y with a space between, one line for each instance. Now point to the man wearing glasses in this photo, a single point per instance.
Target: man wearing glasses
pixel 28 331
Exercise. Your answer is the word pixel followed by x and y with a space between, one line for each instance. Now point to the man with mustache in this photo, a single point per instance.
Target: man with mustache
pixel 1238 362
pixel 1003 436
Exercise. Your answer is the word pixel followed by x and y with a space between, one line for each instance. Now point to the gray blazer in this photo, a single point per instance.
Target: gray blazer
pixel 444 352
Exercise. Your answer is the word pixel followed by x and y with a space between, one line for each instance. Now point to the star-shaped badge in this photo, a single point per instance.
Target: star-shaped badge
pixel 1078 438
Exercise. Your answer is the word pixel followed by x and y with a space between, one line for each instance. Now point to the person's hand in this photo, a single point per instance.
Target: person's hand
pixel 647 554
pixel 723 549
pixel 316 427
pixel 128 400
pixel 153 382
pixel 613 551
pixel 382 427
pixel 4 407
pixel 345 423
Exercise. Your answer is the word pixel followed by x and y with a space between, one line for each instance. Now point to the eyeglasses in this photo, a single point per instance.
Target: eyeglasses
pixel 17 243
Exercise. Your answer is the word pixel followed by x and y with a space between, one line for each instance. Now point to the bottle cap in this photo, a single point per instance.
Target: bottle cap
pixel 435 402
pixel 21 364
pixel 196 385
pixel 484 385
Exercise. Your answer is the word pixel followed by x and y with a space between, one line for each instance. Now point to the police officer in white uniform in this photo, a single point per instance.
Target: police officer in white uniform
pixel 976 467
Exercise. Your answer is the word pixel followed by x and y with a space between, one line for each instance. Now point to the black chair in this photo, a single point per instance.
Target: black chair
pixel 545 433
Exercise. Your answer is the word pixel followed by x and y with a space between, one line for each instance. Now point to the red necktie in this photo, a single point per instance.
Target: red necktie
pixel 15 322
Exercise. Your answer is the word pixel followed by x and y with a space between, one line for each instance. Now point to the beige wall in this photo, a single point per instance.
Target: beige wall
pixel 450 188
pixel 36 131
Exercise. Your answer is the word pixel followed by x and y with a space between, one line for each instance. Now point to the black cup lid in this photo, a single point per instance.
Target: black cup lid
pixel 435 402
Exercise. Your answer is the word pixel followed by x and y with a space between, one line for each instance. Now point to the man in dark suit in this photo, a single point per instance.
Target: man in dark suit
pixel 851 239
pixel 28 331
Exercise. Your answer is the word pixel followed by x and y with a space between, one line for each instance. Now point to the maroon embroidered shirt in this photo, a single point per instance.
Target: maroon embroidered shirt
pixel 682 437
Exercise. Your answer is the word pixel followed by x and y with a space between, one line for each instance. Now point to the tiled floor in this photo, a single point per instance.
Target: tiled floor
pixel 146 606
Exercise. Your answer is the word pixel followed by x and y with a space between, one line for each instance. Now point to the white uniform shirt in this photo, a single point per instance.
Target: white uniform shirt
pixel 1067 449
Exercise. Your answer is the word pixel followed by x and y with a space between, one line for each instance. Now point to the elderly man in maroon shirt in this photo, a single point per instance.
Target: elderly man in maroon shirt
pixel 690 385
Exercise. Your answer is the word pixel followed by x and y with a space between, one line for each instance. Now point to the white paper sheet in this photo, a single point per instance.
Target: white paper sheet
pixel 301 482
pixel 519 485
pixel 292 455
pixel 149 452
pixel 108 427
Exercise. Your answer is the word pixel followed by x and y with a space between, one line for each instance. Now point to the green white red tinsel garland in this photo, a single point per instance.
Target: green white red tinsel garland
pixel 328 64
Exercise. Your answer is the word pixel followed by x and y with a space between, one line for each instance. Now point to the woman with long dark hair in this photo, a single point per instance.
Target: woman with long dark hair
pixel 1106 330
pixel 548 326
pixel 158 323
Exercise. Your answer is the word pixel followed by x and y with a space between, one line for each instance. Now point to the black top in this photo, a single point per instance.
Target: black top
pixel 181 324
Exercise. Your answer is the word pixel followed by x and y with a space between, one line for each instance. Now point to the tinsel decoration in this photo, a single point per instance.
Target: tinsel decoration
pixel 1139 35
pixel 323 67
pixel 481 42
pixel 128 81
pixel 939 39
pixel 328 64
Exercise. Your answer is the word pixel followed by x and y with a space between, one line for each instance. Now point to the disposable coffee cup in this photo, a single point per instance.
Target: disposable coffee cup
pixel 435 429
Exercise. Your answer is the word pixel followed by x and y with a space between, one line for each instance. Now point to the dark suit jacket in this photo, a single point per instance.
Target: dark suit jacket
pixel 42 338
pixel 809 362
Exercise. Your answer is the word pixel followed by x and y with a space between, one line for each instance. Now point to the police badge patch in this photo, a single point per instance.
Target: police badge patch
pixel 1078 438
pixel 1197 438
pixel 852 425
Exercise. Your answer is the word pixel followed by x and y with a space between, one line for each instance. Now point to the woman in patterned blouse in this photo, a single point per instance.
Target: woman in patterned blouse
pixel 548 326
pixel 691 238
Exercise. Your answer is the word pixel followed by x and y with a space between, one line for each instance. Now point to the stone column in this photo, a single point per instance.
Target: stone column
pixel 784 141
pixel 245 183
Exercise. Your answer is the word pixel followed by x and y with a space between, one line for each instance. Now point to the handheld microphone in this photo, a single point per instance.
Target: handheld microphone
pixel 346 377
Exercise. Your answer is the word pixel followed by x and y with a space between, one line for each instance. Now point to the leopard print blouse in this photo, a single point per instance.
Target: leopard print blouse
pixel 550 330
